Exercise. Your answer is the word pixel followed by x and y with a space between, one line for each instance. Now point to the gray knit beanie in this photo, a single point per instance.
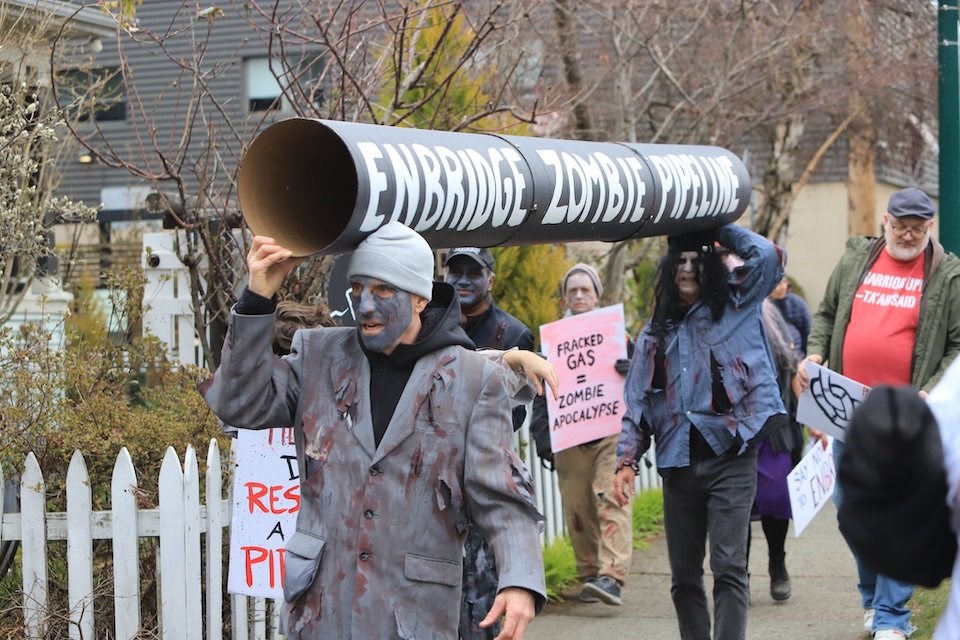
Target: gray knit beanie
pixel 397 255
pixel 591 273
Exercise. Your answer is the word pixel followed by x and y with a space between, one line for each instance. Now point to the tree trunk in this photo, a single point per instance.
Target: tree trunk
pixel 861 172
pixel 780 175
pixel 861 158
pixel 568 38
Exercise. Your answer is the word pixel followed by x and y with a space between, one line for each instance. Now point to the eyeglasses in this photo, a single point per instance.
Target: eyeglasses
pixel 915 230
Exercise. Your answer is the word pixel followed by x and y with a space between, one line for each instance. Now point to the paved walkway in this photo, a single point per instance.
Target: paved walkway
pixel 824 604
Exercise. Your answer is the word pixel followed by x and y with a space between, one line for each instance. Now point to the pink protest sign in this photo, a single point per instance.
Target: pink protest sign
pixel 583 349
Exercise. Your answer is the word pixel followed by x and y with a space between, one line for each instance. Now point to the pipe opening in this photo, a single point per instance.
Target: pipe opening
pixel 298 185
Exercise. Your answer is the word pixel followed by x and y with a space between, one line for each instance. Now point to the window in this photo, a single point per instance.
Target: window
pixel 97 92
pixel 265 82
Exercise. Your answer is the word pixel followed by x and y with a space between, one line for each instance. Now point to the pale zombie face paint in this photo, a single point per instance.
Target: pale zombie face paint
pixel 384 313
pixel 471 281
pixel 688 276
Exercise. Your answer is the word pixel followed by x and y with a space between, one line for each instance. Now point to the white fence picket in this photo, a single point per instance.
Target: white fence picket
pixel 214 536
pixel 126 550
pixel 33 509
pixel 259 619
pixel 173 594
pixel 79 549
pixel 275 620
pixel 239 617
pixel 191 546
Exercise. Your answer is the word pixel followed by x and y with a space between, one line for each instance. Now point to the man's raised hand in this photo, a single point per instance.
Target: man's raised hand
pixel 268 264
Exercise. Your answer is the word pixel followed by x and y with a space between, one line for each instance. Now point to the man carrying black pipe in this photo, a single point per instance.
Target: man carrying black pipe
pixel 400 429
pixel 702 383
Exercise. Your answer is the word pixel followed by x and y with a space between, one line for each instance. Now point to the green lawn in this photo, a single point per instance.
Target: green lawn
pixel 927 605
pixel 559 564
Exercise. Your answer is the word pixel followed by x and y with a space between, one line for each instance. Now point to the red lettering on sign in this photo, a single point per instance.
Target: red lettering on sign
pixel 256 491
pixel 293 494
pixel 271 558
pixel 272 499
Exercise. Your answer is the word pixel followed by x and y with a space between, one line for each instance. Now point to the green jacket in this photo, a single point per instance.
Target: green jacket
pixel 938 332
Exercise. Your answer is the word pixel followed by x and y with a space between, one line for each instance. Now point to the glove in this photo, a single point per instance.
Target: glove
pixel 622 365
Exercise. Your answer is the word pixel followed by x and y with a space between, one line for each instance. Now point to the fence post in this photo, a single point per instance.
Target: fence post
pixel 33 511
pixel 126 551
pixel 79 549
pixel 168 307
pixel 191 546
pixel 172 565
pixel 214 528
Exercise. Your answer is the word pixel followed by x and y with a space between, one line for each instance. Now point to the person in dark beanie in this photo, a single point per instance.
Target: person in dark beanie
pixel 471 271
pixel 400 427
pixel 894 511
pixel 890 316
pixel 901 483
pixel 944 403
pixel 702 383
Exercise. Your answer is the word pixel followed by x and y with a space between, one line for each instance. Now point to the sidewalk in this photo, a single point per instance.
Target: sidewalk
pixel 824 605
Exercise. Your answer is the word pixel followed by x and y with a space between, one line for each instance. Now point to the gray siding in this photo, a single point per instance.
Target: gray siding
pixel 163 99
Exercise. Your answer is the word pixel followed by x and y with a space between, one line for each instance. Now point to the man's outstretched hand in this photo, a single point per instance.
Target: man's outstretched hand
pixel 517 607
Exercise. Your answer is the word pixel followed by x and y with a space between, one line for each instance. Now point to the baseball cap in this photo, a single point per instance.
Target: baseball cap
pixel 481 256
pixel 910 202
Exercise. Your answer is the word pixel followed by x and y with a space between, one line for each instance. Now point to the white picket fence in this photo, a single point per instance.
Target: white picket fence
pixel 190 548
pixel 180 523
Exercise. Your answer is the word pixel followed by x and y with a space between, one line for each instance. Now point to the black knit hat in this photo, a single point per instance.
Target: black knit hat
pixel 892 473
pixel 699 241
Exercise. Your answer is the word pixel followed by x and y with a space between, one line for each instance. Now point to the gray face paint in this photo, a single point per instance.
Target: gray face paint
pixel 384 312
pixel 469 279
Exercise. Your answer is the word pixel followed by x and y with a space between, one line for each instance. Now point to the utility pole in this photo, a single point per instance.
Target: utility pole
pixel 949 117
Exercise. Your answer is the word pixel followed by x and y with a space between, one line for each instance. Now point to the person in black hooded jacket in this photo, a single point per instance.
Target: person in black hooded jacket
pixel 472 272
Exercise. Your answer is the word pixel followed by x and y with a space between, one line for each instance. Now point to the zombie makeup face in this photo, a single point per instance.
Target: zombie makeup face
pixel 688 276
pixel 384 313
pixel 471 281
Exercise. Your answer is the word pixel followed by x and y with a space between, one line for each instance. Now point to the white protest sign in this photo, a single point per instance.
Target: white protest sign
pixel 828 403
pixel 583 349
pixel 810 485
pixel 266 499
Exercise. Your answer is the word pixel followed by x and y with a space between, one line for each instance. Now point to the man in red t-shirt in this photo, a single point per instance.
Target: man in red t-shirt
pixel 890 315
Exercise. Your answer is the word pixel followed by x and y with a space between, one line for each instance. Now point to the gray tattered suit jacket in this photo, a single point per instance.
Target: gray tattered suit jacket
pixel 377 551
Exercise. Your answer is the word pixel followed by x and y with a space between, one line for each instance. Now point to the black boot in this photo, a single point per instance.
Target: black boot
pixel 779 579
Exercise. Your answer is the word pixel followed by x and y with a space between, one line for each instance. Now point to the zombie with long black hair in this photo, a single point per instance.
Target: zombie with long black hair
pixel 702 383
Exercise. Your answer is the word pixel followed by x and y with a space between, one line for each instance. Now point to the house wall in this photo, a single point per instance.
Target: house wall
pixel 163 95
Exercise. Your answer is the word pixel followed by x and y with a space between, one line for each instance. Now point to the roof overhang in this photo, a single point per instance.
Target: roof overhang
pixel 75 20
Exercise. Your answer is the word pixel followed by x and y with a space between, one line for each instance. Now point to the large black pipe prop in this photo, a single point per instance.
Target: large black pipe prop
pixel 320 186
